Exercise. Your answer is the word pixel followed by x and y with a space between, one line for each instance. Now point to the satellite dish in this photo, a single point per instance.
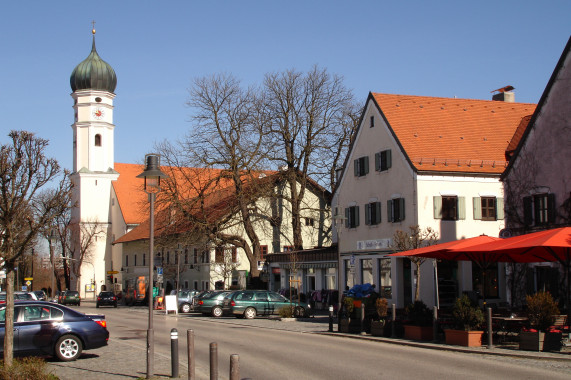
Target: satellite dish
pixel 505 233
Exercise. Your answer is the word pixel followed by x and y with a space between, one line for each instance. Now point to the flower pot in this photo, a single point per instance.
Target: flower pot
pixel 540 341
pixel 350 326
pixel 418 332
pixel 377 328
pixel 463 338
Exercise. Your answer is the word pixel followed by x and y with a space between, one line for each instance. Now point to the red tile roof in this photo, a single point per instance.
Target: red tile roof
pixel 453 135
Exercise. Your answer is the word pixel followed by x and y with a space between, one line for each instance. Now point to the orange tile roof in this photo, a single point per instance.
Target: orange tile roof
pixel 215 203
pixel 453 135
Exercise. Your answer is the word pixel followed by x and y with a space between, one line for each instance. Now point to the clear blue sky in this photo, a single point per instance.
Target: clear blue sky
pixel 432 48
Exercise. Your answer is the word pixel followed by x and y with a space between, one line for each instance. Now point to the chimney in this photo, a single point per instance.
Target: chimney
pixel 504 94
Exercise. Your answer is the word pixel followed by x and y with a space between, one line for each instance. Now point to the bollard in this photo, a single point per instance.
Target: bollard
pixel 190 351
pixel 490 342
pixel 331 318
pixel 362 318
pixel 174 353
pixel 435 324
pixel 393 327
pixel 213 361
pixel 234 367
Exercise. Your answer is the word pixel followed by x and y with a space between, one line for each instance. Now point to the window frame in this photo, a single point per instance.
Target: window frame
pixel 373 213
pixel 395 210
pixel 361 166
pixel 383 160
pixel 352 217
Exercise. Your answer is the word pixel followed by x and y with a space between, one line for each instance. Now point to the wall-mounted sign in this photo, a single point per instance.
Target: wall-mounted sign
pixel 363 245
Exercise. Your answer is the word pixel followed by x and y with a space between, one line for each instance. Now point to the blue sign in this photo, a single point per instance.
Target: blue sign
pixel 159 270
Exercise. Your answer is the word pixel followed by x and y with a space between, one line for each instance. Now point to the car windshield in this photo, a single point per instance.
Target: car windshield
pixel 106 294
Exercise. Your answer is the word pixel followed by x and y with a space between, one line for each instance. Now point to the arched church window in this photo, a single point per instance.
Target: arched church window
pixel 97 140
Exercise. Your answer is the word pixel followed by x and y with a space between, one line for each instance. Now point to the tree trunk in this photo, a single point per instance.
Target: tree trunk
pixel 9 327
pixel 417 290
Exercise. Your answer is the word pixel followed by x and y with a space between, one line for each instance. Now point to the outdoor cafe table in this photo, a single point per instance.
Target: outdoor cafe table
pixel 505 327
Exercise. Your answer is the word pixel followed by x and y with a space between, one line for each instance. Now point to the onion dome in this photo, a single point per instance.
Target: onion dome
pixel 93 73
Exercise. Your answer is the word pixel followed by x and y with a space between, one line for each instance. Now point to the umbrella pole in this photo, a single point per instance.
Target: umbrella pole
pixel 435 263
pixel 568 264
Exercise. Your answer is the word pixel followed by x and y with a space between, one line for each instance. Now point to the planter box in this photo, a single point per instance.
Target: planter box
pixel 463 338
pixel 418 332
pixel 377 328
pixel 539 341
pixel 350 326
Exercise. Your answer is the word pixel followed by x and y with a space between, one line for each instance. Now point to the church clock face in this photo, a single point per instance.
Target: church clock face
pixel 98 113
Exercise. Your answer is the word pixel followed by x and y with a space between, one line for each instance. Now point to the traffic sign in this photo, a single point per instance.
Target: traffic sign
pixel 159 270
pixel 28 282
pixel 28 278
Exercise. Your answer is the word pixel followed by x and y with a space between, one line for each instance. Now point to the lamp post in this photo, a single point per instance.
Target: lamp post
pixel 152 187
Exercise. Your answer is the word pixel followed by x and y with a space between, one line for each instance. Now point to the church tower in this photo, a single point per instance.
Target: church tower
pixel 93 83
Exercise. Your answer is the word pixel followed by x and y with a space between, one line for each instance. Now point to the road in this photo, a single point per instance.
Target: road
pixel 271 350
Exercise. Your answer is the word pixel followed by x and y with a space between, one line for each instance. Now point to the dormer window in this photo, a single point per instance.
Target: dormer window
pixel 97 140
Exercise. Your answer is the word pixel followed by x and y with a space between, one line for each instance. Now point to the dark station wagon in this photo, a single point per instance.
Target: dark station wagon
pixel 250 303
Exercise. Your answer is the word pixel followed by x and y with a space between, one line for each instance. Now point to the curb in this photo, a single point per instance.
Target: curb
pixel 434 346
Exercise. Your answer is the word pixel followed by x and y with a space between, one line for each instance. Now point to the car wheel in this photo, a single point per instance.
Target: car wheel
pixel 185 308
pixel 250 313
pixel 299 312
pixel 217 311
pixel 68 348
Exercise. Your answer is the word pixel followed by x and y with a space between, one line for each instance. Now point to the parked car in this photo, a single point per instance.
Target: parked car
pixel 249 303
pixel 106 299
pixel 70 297
pixel 18 296
pixel 184 299
pixel 45 328
pixel 40 295
pixel 211 303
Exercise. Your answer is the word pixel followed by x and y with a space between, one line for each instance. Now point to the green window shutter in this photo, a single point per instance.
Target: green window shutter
pixel 461 208
pixel 401 209
pixel 500 209
pixel 389 159
pixel 390 211
pixel 477 201
pixel 347 215
pixel 378 212
pixel 527 211
pixel 551 212
pixel 356 163
pixel 368 214
pixel 437 200
pixel 356 216
pixel 366 165
pixel 377 161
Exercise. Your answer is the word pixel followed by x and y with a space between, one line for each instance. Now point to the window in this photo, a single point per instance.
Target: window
pixel 186 257
pixel 219 255
pixel 126 260
pixel 168 257
pixel 330 278
pixel 144 259
pixel 395 210
pixel 488 208
pixel 205 257
pixel 352 217
pixel 288 248
pixel 195 256
pixel 372 122
pixel 367 271
pixel 450 207
pixel 135 260
pixel 385 283
pixel 234 255
pixel 383 160
pixel 309 222
pixel 263 251
pixel 485 281
pixel 361 166
pixel 349 274
pixel 539 209
pixel 373 213
pixel 97 140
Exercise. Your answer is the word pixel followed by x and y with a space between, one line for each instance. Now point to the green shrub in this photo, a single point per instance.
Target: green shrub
pixel 349 305
pixel 467 316
pixel 541 310
pixel 419 314
pixel 30 368
pixel 286 312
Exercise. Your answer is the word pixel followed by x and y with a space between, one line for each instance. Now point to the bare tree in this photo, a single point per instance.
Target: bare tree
pixel 313 118
pixel 415 238
pixel 24 172
pixel 225 263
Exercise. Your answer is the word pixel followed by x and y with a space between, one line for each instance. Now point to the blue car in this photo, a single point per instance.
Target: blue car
pixel 47 328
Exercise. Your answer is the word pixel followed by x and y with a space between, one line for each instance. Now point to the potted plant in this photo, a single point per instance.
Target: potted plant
pixel 541 311
pixel 418 325
pixel 348 320
pixel 468 318
pixel 378 325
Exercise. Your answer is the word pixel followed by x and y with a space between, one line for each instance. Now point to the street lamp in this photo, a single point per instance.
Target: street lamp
pixel 152 187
